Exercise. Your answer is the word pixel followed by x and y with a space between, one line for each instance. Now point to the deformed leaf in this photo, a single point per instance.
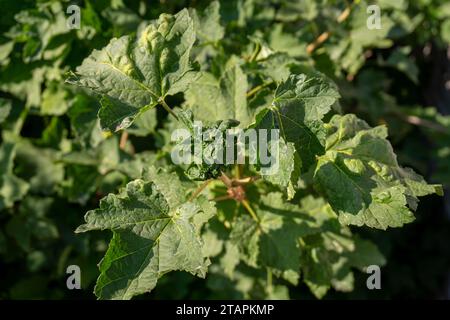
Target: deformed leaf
pixel 134 74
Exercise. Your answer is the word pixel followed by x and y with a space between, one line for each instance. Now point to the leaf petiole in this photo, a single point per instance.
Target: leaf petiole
pixel 167 108
pixel 200 189
pixel 247 206
pixel 255 90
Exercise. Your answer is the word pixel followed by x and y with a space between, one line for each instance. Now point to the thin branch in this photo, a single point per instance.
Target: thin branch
pixel 222 198
pixel 325 35
pixel 247 206
pixel 226 180
pixel 199 190
pixel 168 109
pixel 244 181
pixel 320 39
pixel 269 280
pixel 414 120
pixel 255 90
pixel 238 169
pixel 20 121
pixel 344 15
pixel 255 52
pixel 123 140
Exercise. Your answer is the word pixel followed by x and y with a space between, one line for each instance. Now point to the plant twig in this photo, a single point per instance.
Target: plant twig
pixel 199 190
pixel 320 39
pixel 247 206
pixel 255 90
pixel 244 181
pixel 325 35
pixel 226 180
pixel 222 198
pixel 414 120
pixel 255 52
pixel 123 140
pixel 344 15
pixel 269 280
pixel 20 121
pixel 168 109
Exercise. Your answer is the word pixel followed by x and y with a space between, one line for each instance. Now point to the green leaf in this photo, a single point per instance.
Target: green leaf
pixel 134 74
pixel 84 123
pixel 207 23
pixel 288 171
pixel 361 179
pixel 12 188
pixel 440 138
pixel 272 241
pixel 31 224
pixel 5 109
pixel 328 256
pixel 293 10
pixel 297 110
pixel 54 100
pixel 213 100
pixel 445 31
pixel 286 42
pixel 23 82
pixel 144 124
pixel 276 66
pixel 327 261
pixel 152 235
pixel 361 36
pixel 40 168
pixel 37 28
pixel 399 59
pixel 5 50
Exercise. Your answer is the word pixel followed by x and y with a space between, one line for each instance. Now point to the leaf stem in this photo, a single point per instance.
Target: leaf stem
pixel 226 180
pixel 325 35
pixel 253 91
pixel 247 206
pixel 237 172
pixel 255 52
pixel 222 198
pixel 269 280
pixel 168 109
pixel 319 40
pixel 123 140
pixel 199 190
pixel 244 181
pixel 20 121
pixel 414 120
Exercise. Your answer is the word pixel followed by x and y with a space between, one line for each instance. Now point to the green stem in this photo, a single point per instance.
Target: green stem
pixel 257 88
pixel 269 280
pixel 20 122
pixel 200 189
pixel 123 140
pixel 255 52
pixel 168 109
pixel 247 206
pixel 237 171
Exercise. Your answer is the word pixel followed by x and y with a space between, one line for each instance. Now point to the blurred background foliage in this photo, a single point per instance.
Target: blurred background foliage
pixel 55 163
